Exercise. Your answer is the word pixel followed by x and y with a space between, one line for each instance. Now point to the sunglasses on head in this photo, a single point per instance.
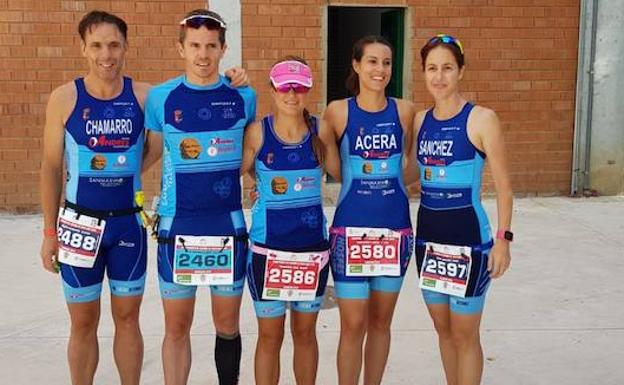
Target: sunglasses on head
pixel 197 21
pixel 297 88
pixel 447 39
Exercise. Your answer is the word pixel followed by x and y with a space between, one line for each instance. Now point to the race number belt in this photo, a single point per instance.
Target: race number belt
pixel 446 269
pixel 203 260
pixel 79 238
pixel 103 213
pixel 372 252
pixel 290 276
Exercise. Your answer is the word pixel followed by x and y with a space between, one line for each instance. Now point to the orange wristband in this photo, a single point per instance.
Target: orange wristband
pixel 50 232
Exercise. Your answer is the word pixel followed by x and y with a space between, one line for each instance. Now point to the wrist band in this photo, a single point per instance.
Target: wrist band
pixel 504 235
pixel 49 232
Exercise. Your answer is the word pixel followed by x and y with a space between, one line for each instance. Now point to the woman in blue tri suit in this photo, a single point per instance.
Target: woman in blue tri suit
pixel 371 237
pixel 455 252
pixel 288 262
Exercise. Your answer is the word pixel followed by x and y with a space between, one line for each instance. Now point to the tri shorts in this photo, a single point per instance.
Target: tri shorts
pixel 122 254
pixel 170 227
pixel 478 282
pixel 349 287
pixel 459 305
pixel 264 308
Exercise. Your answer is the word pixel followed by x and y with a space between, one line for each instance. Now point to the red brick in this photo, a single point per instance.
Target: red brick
pixel 521 61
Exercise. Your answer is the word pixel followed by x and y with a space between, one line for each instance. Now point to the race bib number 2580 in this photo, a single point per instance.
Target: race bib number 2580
pixel 372 252
pixel 79 238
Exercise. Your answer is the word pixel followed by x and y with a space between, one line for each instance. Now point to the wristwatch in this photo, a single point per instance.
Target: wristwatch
pixel 505 235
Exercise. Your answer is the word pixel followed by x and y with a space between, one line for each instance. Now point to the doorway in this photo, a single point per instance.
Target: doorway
pixel 348 24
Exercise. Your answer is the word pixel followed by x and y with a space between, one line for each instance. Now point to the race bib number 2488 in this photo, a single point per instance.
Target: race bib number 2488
pixel 79 238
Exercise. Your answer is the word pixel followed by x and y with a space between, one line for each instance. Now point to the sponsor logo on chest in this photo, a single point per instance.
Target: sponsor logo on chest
pixel 103 141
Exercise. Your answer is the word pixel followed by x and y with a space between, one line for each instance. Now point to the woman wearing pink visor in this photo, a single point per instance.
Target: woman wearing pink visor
pixel 288 262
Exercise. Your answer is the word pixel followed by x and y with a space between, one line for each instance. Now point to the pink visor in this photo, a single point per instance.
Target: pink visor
pixel 289 72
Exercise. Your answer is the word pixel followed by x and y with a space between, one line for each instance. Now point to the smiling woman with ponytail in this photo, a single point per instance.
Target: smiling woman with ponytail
pixel 288 260
pixel 372 216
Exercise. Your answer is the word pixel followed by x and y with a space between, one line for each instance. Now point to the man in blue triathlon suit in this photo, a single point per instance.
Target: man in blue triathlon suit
pixel 196 122
pixel 96 124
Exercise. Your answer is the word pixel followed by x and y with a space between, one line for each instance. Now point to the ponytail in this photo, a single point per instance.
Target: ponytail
pixel 353 82
pixel 317 145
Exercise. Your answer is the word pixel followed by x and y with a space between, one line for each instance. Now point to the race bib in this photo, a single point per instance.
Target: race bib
pixel 446 269
pixel 291 276
pixel 79 238
pixel 203 260
pixel 372 252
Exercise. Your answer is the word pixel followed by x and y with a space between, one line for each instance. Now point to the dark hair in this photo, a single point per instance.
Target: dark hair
pixel 317 144
pixel 433 43
pixel 209 26
pixel 353 81
pixel 98 17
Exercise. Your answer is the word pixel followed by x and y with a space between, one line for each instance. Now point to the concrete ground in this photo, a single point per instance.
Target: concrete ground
pixel 557 317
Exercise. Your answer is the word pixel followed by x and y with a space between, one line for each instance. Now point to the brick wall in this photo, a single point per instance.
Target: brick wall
pixel 521 62
pixel 39 50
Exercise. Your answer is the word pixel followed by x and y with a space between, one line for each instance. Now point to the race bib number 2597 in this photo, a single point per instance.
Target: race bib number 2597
pixel 446 269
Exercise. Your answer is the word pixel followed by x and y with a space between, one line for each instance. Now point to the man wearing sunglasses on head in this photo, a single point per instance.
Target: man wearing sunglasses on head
pixel 96 123
pixel 202 238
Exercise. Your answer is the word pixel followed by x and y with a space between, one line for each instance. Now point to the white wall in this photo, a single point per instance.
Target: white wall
pixel 607 137
pixel 230 10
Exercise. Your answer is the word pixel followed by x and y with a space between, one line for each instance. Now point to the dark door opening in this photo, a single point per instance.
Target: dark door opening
pixel 346 26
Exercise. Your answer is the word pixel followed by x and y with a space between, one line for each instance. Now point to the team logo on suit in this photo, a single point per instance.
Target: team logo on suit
pixel 98 162
pixel 190 148
pixel 279 185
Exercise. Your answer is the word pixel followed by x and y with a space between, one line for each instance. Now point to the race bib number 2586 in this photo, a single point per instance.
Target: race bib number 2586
pixel 291 276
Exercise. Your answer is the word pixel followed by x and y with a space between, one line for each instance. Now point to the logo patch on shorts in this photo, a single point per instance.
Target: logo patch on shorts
pixel 123 243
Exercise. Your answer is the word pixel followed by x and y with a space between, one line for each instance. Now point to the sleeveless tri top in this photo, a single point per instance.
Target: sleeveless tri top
pixel 103 150
pixel 288 214
pixel 371 151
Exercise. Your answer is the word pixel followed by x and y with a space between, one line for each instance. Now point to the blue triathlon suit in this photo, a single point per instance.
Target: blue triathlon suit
pixel 288 214
pixel 450 211
pixel 103 150
pixel 202 130
pixel 372 195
